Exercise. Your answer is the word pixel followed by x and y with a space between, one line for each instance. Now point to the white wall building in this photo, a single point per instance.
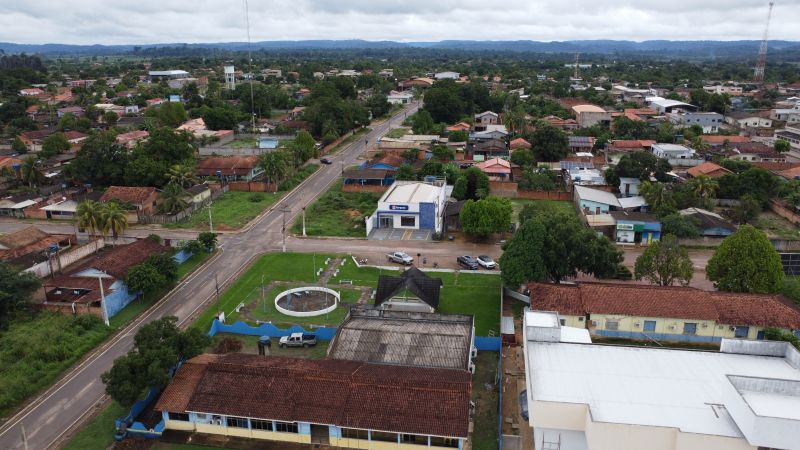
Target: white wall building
pixel 611 397
pixel 411 205
pixel 446 75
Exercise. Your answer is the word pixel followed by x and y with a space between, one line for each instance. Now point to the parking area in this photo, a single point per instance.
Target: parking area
pixel 400 234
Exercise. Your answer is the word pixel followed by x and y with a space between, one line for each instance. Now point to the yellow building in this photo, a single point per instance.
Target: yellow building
pixel 333 402
pixel 665 313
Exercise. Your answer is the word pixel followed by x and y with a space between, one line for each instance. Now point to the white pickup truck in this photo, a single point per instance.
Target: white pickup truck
pixel 400 258
pixel 298 340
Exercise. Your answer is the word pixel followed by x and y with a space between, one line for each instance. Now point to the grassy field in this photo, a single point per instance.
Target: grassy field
pixel 776 226
pixel 338 213
pixel 544 206
pixel 397 133
pixel 231 211
pixel 250 345
pixel 485 397
pixel 99 432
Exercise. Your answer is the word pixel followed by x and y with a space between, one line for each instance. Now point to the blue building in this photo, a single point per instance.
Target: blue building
pixel 636 227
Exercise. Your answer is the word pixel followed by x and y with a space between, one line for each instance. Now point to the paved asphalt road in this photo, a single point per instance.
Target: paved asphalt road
pixel 65 403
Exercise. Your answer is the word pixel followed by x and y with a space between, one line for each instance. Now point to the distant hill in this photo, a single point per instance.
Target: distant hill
pixel 600 47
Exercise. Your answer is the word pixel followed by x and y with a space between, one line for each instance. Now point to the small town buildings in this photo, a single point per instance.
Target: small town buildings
pixel 344 404
pixel 613 397
pixel 15 205
pixel 400 98
pixel 498 169
pixel 716 141
pixel 711 224
pixel 414 83
pixel 131 138
pixel 411 291
pixel 790 135
pixel 31 92
pixel 709 121
pixel 98 285
pixel 199 193
pixel 789 115
pixel 662 105
pixel 486 118
pixel 629 187
pixel 594 201
pixel 480 149
pixel 460 126
pixel 579 144
pixel 724 89
pixel 368 177
pixel 633 227
pixel 143 199
pixel 446 75
pixel 519 143
pixel 582 174
pixel 676 154
pixel 410 205
pixel 76 111
pixel 33 139
pixel 709 169
pixel 564 124
pixel 230 168
pixel 755 152
pixel 159 75
pixel 30 246
pixel 590 115
pixel 665 313
pixel 749 119
pixel 386 336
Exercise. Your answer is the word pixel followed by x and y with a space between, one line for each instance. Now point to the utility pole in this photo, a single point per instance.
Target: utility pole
pixel 103 300
pixel 284 209
pixel 216 286
pixel 210 224
pixel 24 437
pixel 304 221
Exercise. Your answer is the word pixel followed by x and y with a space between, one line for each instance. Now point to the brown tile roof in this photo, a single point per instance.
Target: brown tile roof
pixel 775 166
pixel 128 194
pixel 756 148
pixel 790 174
pixel 719 140
pixel 228 165
pixel 671 302
pixel 26 241
pixel 520 143
pixel 707 168
pixel 70 135
pixel 119 259
pixel 336 392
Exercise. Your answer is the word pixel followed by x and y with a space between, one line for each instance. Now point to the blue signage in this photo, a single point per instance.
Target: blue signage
pixel 398 207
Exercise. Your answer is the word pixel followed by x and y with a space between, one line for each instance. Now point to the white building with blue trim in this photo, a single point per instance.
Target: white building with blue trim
pixel 411 205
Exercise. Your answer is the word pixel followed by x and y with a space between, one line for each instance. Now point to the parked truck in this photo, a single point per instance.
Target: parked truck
pixel 298 340
pixel 400 258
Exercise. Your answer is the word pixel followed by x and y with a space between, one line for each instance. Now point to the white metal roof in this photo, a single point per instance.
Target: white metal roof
pixel 684 389
pixel 632 202
pixel 163 73
pixel 596 195
pixel 65 206
pixel 412 193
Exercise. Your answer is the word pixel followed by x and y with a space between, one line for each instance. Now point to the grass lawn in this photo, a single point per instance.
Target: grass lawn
pixel 776 226
pixel 544 206
pixel 244 143
pixel 250 345
pixel 397 133
pixel 349 140
pixel 338 213
pixel 99 432
pixel 231 211
pixel 485 397
pixel 266 311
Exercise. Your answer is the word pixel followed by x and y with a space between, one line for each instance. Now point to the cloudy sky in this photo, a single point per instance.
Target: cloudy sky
pixel 155 21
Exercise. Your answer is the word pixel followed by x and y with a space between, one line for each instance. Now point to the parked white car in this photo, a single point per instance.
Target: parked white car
pixel 486 262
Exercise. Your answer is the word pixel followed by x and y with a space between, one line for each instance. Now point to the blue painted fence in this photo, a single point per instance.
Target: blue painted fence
pixel 268 329
pixel 137 427
pixel 488 344
pixel 182 256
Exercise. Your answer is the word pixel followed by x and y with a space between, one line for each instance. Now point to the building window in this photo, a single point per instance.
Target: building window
pixel 414 439
pixel 237 422
pixel 286 427
pixel 408 221
pixel 612 324
pixel 690 328
pixel 383 436
pixel 353 433
pixel 444 442
pixel 741 332
pixel 650 325
pixel 183 417
pixel 563 322
pixel 263 425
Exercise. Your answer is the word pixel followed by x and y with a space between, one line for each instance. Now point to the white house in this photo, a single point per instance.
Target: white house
pixel 446 75
pixel 411 205
pixel 400 98
pixel 676 154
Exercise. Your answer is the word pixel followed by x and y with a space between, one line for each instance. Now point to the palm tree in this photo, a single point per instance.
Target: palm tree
pixel 514 120
pixel 657 196
pixel 182 175
pixel 173 199
pixel 114 219
pixel 6 174
pixel 704 186
pixel 274 166
pixel 31 173
pixel 88 216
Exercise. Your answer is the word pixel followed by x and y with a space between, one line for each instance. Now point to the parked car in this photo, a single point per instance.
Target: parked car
pixel 486 262
pixel 325 161
pixel 298 340
pixel 523 404
pixel 400 258
pixel 467 262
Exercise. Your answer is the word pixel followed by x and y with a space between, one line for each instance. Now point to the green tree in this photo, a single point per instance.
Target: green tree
pixel 658 197
pixel 18 146
pixel 538 179
pixel 182 175
pixel 522 260
pixel 378 105
pixel 173 199
pixel 16 290
pixel 477 183
pixel 664 263
pixel 460 188
pixel 274 165
pixel 208 239
pixel 164 264
pixel 144 278
pixel 110 118
pixel 523 157
pixel 514 120
pixel 747 210
pixel 31 172
pixel 100 161
pixel 458 136
pixel 641 165
pixel 89 216
pixel 170 114
pixel 551 144
pixel 114 219
pixel 405 172
pixel 443 153
pixel 704 186
pixel 746 261
pixel 680 226
pixel 53 145
pixel 422 123
pixel 782 146
pixel 483 217
pixel 158 347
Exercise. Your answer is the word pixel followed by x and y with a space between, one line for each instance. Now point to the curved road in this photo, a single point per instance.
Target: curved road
pixel 47 417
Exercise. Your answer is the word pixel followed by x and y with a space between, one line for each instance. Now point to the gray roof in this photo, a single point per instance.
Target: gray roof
pixel 404 338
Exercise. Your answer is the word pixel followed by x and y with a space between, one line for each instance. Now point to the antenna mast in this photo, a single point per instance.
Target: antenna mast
pixel 758 75
pixel 577 63
pixel 250 68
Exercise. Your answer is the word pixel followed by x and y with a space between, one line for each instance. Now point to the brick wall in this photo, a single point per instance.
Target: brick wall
pixel 252 186
pixel 784 212
pixel 364 188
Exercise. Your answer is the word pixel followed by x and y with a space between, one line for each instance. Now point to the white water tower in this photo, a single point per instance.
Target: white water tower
pixel 230 78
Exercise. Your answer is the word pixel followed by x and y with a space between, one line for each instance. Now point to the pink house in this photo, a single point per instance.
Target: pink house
pixel 498 169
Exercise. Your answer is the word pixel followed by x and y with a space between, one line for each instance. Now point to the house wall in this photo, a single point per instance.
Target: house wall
pixel 379 445
pixel 199 198
pixel 592 206
pixel 667 329
pixel 42 269
pixel 587 119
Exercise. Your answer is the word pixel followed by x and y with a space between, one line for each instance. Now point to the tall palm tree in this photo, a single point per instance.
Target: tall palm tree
pixel 657 196
pixel 704 186
pixel 88 216
pixel 6 174
pixel 182 175
pixel 114 219
pixel 274 165
pixel 173 199
pixel 31 173
pixel 514 120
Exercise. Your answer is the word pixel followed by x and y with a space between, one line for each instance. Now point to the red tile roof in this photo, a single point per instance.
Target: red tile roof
pixel 71 135
pixel 336 392
pixel 128 194
pixel 227 165
pixel 669 302
pixel 520 143
pixel 707 168
pixel 719 140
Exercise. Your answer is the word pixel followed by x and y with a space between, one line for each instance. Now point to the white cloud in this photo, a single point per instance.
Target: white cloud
pixel 158 21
